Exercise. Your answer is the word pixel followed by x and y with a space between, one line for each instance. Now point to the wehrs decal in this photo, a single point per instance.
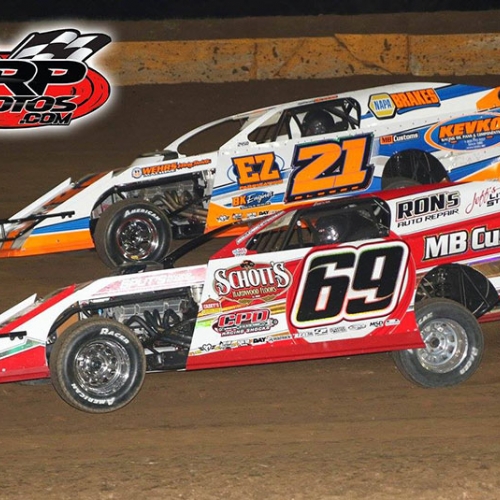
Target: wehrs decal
pixel 249 282
pixel 46 81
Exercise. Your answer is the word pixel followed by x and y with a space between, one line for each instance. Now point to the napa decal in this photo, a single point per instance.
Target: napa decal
pixel 466 133
pixel 385 105
pixel 382 106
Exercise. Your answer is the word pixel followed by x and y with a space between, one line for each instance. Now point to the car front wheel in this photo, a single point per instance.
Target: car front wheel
pixel 97 365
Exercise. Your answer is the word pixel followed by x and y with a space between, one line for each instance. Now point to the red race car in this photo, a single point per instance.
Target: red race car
pixel 407 270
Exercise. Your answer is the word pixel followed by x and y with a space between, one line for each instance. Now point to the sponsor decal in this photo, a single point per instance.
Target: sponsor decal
pixel 392 321
pixel 165 168
pixel 255 199
pixel 392 139
pixel 337 329
pixel 239 252
pixel 466 133
pixel 413 99
pixel 357 326
pixel 315 332
pixel 428 207
pixel 487 197
pixel 148 282
pixel 382 106
pixel 459 242
pixel 211 306
pixel 46 80
pixel 249 282
pixel 386 105
pixel 244 322
pixel 278 337
pixel 256 170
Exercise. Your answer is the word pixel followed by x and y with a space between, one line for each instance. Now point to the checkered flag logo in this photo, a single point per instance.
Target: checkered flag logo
pixel 60 44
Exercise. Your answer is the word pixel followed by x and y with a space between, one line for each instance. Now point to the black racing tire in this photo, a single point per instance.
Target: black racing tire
pixel 400 182
pixel 454 345
pixel 97 365
pixel 132 231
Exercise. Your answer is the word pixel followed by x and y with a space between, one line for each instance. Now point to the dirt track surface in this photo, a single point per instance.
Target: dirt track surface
pixel 346 428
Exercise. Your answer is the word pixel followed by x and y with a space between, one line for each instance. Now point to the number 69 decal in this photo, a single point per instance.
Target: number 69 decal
pixel 350 284
pixel 325 168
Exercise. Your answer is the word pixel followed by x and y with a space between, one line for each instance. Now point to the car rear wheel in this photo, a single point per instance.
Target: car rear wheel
pixel 97 365
pixel 400 182
pixel 454 345
pixel 131 231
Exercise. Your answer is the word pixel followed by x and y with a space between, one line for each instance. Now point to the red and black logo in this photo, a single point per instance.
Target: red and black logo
pixel 45 80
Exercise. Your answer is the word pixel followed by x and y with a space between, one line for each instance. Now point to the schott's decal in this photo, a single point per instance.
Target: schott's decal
pixel 45 80
pixel 244 322
pixel 250 281
pixel 466 133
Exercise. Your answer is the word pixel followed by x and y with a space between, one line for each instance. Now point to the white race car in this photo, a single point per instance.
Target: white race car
pixel 252 164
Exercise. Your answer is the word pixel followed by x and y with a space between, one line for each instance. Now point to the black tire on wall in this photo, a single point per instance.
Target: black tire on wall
pixel 132 231
pixel 97 365
pixel 454 345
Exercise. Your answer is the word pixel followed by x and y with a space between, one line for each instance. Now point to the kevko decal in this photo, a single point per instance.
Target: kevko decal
pixel 46 81
pixel 466 133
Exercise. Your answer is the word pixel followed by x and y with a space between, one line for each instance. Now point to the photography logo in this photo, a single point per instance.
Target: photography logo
pixel 46 80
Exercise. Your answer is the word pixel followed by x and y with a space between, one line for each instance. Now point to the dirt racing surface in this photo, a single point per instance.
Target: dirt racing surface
pixel 345 428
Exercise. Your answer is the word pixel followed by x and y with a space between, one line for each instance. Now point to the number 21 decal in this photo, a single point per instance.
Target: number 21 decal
pixel 350 284
pixel 325 168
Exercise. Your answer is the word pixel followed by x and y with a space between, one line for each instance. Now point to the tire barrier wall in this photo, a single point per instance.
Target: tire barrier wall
pixel 171 51
pixel 341 55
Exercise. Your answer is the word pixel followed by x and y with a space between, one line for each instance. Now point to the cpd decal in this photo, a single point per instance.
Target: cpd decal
pixel 45 80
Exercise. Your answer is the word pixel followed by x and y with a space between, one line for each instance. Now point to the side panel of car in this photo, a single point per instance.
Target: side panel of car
pixel 424 135
pixel 306 303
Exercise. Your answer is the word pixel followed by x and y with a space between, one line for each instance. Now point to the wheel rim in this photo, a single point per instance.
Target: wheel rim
pixel 446 345
pixel 137 239
pixel 102 367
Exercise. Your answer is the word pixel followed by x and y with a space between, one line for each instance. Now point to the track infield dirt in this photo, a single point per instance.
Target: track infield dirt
pixel 345 428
